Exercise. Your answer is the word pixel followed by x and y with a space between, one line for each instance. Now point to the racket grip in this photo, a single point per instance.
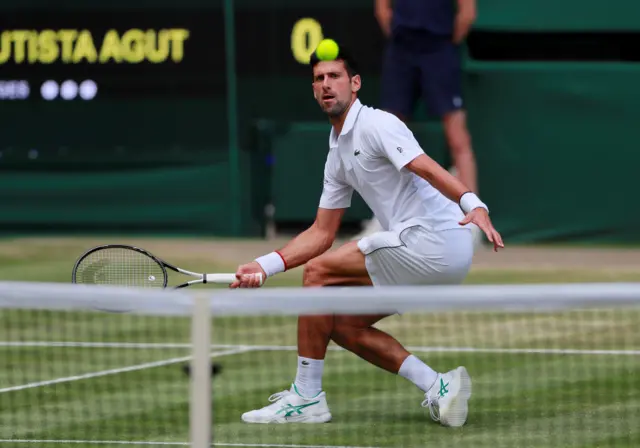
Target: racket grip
pixel 226 278
pixel 221 278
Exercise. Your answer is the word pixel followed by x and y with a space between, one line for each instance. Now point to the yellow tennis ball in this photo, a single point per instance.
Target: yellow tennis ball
pixel 327 50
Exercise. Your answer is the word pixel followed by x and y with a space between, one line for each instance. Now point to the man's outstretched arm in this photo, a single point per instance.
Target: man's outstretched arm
pixel 476 212
pixel 395 141
pixel 314 241
pixel 431 171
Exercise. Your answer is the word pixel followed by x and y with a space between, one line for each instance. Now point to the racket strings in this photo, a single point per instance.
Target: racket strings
pixel 120 266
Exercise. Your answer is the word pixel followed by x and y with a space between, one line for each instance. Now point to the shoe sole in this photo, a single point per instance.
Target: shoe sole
pixel 456 413
pixel 320 418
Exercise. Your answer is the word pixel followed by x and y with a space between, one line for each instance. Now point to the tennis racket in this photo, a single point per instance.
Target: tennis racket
pixel 123 265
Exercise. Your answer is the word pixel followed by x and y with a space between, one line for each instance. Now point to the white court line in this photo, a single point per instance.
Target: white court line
pixel 141 345
pixel 125 442
pixel 422 349
pixel 97 442
pixel 245 348
pixel 147 365
pixel 543 351
pixel 284 446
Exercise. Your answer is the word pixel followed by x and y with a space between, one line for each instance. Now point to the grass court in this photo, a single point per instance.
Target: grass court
pixel 91 380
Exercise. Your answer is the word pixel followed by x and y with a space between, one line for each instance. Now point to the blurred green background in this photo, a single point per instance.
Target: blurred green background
pixel 203 115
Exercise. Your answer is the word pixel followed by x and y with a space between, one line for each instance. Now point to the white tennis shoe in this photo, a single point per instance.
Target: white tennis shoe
pixel 289 406
pixel 447 399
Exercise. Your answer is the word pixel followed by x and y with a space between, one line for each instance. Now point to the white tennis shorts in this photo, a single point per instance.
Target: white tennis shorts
pixel 417 256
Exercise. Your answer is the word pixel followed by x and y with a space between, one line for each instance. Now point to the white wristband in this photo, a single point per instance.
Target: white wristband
pixel 470 201
pixel 272 263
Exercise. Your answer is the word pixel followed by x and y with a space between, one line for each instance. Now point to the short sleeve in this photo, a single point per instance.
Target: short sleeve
pixel 394 140
pixel 335 192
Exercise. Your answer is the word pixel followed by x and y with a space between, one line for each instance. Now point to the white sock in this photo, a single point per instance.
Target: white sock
pixel 309 377
pixel 418 373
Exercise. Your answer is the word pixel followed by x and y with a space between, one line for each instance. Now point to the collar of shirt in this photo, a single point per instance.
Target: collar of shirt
pixel 348 123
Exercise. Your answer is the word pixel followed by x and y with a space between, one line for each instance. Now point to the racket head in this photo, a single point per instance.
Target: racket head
pixel 119 265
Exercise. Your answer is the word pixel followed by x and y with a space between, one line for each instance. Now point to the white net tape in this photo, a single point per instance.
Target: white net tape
pixel 296 301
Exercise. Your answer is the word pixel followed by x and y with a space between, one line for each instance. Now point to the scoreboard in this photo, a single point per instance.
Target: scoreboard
pixel 86 55
pixel 91 53
pixel 106 75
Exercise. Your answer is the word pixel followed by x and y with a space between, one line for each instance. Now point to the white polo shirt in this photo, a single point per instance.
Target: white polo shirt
pixel 369 156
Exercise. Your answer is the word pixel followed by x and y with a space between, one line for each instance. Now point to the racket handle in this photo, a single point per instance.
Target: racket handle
pixel 221 278
pixel 225 278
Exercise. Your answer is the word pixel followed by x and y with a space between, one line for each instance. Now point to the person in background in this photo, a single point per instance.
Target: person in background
pixel 422 61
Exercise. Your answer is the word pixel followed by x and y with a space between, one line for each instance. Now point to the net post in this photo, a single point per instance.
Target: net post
pixel 200 393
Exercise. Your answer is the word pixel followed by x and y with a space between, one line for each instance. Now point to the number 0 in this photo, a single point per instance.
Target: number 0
pixel 305 37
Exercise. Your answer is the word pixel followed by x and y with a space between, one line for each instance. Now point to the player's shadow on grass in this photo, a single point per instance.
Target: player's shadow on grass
pixel 391 416
pixel 411 417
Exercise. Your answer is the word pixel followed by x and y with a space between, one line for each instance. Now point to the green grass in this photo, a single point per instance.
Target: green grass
pixel 520 398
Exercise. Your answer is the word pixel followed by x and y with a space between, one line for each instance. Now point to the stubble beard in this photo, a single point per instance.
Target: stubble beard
pixel 337 109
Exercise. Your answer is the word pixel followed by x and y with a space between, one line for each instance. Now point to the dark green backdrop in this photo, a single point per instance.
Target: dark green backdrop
pixel 550 87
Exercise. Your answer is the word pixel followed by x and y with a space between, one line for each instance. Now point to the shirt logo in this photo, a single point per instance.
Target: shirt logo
pixel 356 152
pixel 399 149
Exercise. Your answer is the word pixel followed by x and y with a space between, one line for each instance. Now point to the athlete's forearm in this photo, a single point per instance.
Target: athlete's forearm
pixel 307 245
pixel 436 175
pixel 314 241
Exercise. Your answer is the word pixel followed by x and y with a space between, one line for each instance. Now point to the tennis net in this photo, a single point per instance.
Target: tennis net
pixel 551 365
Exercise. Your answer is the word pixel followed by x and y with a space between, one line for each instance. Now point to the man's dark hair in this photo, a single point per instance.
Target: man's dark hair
pixel 343 55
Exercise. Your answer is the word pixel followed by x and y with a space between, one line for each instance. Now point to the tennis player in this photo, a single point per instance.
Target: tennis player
pixel 424 211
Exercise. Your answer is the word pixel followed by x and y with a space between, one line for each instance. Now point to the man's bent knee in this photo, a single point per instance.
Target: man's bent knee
pixel 317 273
pixel 343 267
pixel 313 273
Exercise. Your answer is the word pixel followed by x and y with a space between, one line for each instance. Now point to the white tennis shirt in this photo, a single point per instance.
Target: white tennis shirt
pixel 369 156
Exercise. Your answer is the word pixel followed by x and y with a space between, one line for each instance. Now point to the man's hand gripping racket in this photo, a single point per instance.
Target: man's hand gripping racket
pixel 249 275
